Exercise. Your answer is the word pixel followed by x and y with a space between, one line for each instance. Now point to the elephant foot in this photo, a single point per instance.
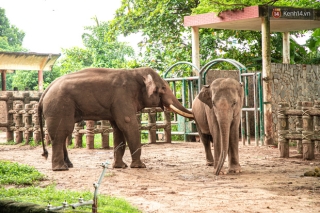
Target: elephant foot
pixel 60 168
pixel 137 164
pixel 70 165
pixel 119 165
pixel 234 169
pixel 222 172
pixel 209 163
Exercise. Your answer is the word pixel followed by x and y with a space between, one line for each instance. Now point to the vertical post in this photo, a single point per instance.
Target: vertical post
pixel 286 47
pixel 105 126
pixel 36 127
pixel 267 80
pixel 77 135
pixel 152 126
pixel 299 127
pixel 307 133
pixel 3 80
pixel 260 93
pixel 195 46
pixel 316 120
pixel 17 117
pixel 90 134
pixel 27 120
pixel 167 129
pixel 9 116
pixel 246 99
pixel 283 129
pixel 40 80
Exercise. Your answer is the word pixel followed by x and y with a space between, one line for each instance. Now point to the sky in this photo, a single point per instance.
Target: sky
pixel 54 24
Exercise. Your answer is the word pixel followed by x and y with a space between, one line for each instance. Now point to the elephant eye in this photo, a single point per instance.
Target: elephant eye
pixel 234 103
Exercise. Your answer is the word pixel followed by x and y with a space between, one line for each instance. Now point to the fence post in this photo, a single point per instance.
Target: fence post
pixel 167 128
pixel 152 126
pixel 27 120
pixel 17 117
pixel 307 133
pixel 9 102
pixel 90 134
pixel 77 135
pixel 36 126
pixel 299 127
pixel 105 127
pixel 283 130
pixel 316 120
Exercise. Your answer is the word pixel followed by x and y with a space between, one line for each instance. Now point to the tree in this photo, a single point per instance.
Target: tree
pixel 98 51
pixel 165 40
pixel 11 37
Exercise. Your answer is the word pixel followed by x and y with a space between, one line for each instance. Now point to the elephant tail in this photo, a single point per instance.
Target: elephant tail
pixel 45 151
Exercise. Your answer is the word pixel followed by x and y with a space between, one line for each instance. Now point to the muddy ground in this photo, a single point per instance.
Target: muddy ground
pixel 177 179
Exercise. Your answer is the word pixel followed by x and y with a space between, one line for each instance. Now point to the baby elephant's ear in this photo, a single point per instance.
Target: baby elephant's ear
pixel 205 95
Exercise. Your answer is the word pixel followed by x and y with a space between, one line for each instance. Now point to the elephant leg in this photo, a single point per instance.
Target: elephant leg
pixel 58 130
pixel 127 122
pixel 66 157
pixel 233 154
pixel 205 139
pixel 119 144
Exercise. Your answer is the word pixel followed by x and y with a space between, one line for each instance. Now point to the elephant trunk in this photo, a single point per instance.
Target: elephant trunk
pixel 225 137
pixel 175 106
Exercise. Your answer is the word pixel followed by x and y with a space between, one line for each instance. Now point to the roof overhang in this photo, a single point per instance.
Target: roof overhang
pixel 27 61
pixel 282 19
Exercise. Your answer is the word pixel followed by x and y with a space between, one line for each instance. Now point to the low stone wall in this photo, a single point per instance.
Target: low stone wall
pixel 293 83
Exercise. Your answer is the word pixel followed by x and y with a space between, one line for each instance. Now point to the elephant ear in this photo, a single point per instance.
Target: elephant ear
pixel 205 95
pixel 150 85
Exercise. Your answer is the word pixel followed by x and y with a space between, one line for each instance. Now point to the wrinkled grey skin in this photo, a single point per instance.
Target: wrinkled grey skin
pixel 217 112
pixel 102 94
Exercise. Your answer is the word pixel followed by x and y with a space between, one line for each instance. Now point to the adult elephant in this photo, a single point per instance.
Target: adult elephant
pixel 217 114
pixel 103 94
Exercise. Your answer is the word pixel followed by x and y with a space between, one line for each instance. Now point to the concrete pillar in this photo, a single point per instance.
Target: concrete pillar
pixel 195 46
pixel 286 47
pixel 267 81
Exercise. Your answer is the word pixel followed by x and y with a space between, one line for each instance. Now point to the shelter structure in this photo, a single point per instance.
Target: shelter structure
pixel 11 61
pixel 266 19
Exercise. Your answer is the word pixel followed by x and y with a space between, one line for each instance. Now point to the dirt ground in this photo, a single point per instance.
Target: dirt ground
pixel 177 180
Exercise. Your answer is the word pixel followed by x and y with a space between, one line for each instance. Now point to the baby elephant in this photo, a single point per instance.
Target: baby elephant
pixel 217 112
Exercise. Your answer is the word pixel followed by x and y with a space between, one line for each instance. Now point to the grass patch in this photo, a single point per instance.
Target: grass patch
pixel 14 173
pixel 20 177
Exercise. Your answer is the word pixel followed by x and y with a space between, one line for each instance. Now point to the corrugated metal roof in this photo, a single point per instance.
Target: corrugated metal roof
pixel 27 61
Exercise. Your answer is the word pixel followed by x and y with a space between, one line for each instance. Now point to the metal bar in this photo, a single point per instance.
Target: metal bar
pixel 246 93
pixel 261 120
pixel 256 129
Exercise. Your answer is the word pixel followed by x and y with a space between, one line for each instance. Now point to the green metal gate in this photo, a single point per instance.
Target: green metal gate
pixel 186 88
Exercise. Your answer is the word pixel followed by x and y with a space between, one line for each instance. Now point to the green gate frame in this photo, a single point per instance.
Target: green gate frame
pixel 201 79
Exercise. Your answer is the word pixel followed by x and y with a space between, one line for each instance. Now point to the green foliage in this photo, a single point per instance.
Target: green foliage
pixel 98 51
pixel 11 37
pixel 164 38
pixel 218 6
pixel 17 174
pixel 43 196
pixel 14 173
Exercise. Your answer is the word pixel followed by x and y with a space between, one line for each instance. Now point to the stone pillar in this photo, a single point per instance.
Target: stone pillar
pixel 36 125
pixel 77 135
pixel 316 120
pixel 299 128
pixel 152 136
pixel 27 120
pixel 307 133
pixel 9 102
pixel 17 117
pixel 283 129
pixel 167 129
pixel 105 126
pixel 90 134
